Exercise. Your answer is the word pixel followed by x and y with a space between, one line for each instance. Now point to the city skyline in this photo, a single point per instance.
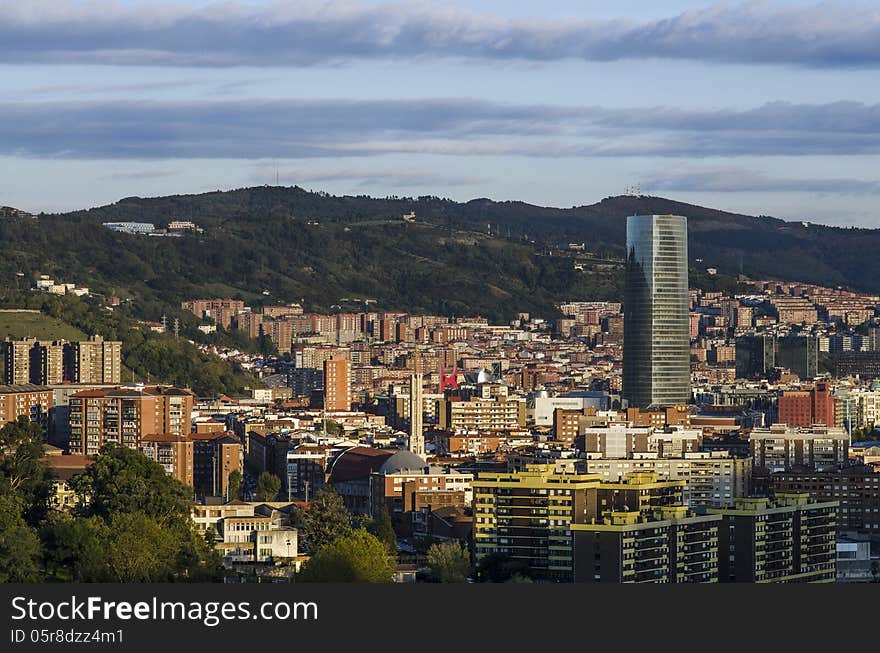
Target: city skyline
pixel 460 99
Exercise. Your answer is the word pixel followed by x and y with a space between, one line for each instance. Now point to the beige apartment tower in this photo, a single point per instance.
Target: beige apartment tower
pixel 94 361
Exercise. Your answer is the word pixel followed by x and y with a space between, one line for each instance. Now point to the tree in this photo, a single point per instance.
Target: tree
pixel 75 549
pixel 19 544
pixel 324 520
pixel 384 530
pixel 355 558
pixel 124 480
pixel 449 562
pixel 139 549
pixel 233 485
pixel 23 472
pixel 500 568
pixel 142 516
pixel 268 486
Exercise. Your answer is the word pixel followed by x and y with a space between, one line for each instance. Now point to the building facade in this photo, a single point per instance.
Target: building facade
pixel 656 341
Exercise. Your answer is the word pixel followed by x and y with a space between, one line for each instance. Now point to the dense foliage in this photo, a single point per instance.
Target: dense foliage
pixel 358 557
pixel 132 522
pixel 325 520
pixel 486 257
pixel 449 562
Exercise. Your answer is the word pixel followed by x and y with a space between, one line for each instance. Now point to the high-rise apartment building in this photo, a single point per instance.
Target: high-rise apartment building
pixel 93 361
pixel 337 384
pixel 51 363
pixel 125 415
pixel 533 515
pixel 788 539
pixel 656 341
pixel 47 363
pixel 781 448
pixel 672 545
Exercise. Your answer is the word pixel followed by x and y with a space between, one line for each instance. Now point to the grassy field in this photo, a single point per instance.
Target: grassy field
pixel 37 325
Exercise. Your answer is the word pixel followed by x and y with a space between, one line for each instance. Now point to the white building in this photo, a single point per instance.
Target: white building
pixel 711 478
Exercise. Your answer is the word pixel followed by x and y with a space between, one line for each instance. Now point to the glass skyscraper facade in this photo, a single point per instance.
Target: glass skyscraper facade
pixel 656 338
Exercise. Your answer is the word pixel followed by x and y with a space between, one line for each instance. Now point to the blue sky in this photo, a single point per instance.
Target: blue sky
pixel 766 107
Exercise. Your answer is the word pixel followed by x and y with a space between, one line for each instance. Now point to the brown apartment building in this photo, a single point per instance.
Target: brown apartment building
pixel 201 461
pixel 27 400
pixel 337 384
pixel 220 310
pixel 125 415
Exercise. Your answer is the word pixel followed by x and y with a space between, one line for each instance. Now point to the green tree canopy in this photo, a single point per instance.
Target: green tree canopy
pixel 19 545
pixel 500 568
pixel 268 486
pixel 75 549
pixel 325 520
pixel 124 480
pixel 23 472
pixel 449 562
pixel 355 558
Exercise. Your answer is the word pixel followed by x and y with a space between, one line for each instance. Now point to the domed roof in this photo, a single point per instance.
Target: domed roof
pixel 403 461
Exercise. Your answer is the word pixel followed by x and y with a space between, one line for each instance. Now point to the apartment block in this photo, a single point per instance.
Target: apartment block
pixel 531 515
pixel 711 478
pixel 670 546
pixel 125 415
pixel 481 414
pixel 93 361
pixel 787 539
pixel 173 452
pixel 51 363
pixel 26 400
pixel 337 384
pixel 222 311
pixel 781 448
pixel 856 489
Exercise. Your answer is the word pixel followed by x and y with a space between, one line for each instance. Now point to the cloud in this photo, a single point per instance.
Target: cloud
pixel 309 32
pixel 367 177
pixel 333 128
pixel 741 180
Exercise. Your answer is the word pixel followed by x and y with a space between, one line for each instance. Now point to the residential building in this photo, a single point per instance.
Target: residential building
pixel 787 539
pixel 670 546
pixel 26 400
pixel 126 414
pixel 454 414
pixel 856 489
pixel 781 448
pixel 337 384
pixel 93 361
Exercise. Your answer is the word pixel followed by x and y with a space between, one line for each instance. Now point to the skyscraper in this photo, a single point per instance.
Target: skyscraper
pixel 656 342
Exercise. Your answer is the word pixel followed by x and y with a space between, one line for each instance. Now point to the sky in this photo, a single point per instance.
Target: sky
pixel 770 107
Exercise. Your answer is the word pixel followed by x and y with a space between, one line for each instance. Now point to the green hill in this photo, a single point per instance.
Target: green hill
pixel 273 244
pixel 20 324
